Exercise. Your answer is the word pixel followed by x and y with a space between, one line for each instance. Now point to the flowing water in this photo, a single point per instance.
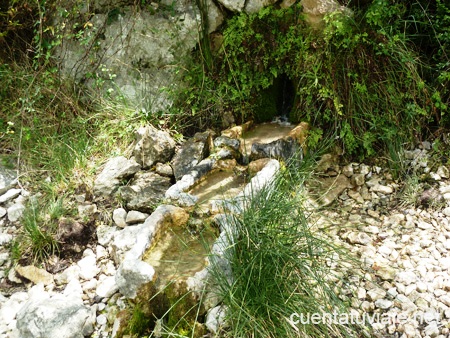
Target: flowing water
pixel 265 133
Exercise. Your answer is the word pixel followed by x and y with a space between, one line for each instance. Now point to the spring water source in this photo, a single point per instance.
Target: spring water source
pixel 181 251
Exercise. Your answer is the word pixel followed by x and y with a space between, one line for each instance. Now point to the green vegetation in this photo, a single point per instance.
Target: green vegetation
pixel 362 76
pixel 279 266
pixel 38 238
pixel 377 75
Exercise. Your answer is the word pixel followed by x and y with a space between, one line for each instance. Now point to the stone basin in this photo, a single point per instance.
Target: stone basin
pixel 179 253
pixel 217 185
pixel 265 133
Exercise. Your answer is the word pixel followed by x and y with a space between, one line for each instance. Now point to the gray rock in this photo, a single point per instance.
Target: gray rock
pixel 383 304
pixel 164 169
pixel 254 6
pixel 358 179
pixel 2 212
pixel 187 181
pixel 443 172
pixel 105 234
pixel 215 318
pixel 215 16
pixel 406 277
pixel 376 294
pixel 382 189
pixel 119 217
pixel 233 5
pixel 134 217
pixel 114 171
pixel 107 287
pixel 131 275
pixel 9 195
pixel 145 192
pixel 56 317
pixel 88 267
pixel 282 149
pixel 8 179
pixel 191 153
pixel 5 239
pixel 15 212
pixel 153 146
pixel 224 141
pixel 359 238
pixel 86 210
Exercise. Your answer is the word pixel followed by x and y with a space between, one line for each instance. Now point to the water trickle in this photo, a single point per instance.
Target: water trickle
pixel 265 133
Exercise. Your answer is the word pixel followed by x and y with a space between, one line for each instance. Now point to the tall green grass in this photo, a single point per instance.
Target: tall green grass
pixel 279 267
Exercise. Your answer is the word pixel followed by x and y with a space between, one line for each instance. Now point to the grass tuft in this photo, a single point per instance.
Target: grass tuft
pixel 279 267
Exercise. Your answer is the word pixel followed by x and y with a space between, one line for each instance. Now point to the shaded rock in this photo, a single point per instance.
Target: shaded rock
pixel 164 169
pixel 134 217
pixel 15 212
pixel 87 210
pixel 9 195
pixel 359 238
pixel 119 217
pixel 8 179
pixel 70 230
pixel 331 187
pixel 429 196
pixel 215 16
pixel 282 149
pixel 228 142
pixel 145 191
pixel 177 191
pixel 5 239
pixel 358 179
pixel 114 171
pixel 215 319
pixel 153 146
pixel 328 163
pixel 105 234
pixel 257 165
pixel 191 153
pixel 233 5
pixel 254 6
pixel 35 274
pixel 56 317
pixel 132 275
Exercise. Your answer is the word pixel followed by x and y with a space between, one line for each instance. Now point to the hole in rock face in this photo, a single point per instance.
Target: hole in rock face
pixel 275 101
pixel 285 97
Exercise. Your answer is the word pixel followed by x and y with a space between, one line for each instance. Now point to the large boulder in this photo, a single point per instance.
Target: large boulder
pixel 145 191
pixel 153 146
pixel 191 153
pixel 115 170
pixel 55 317
pixel 133 53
